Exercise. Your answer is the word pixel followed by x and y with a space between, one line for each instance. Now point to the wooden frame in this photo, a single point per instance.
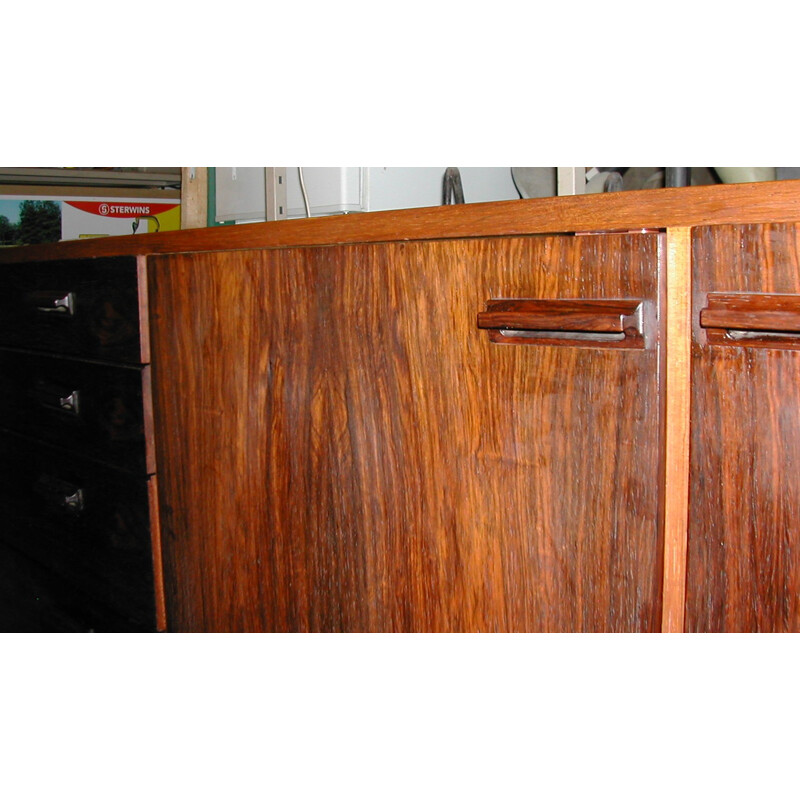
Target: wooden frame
pixel 675 360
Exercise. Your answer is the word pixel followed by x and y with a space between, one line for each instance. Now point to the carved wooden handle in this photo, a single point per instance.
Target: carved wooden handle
pixel 593 321
pixel 752 312
pixel 761 320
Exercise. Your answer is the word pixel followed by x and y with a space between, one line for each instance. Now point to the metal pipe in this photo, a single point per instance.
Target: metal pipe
pixel 678 176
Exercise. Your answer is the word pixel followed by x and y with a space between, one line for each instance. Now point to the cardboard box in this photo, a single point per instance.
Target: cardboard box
pixel 32 219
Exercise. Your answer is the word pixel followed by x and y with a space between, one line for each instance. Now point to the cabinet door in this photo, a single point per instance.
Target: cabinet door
pixel 343 448
pixel 743 570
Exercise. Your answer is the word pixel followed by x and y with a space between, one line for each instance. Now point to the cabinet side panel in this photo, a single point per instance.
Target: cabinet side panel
pixel 342 449
pixel 743 571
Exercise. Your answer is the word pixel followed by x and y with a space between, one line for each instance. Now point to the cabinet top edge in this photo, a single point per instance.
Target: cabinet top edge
pixel 745 203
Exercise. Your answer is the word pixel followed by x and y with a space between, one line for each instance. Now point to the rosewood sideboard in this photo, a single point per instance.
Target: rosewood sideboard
pixel 575 414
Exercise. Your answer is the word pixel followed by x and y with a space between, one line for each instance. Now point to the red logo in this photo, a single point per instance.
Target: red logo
pixel 122 209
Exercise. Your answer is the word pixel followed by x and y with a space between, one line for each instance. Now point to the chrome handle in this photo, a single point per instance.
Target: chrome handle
pixel 58 398
pixel 62 494
pixel 54 302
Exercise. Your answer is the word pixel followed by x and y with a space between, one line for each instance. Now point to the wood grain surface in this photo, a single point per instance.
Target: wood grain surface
pixel 744 531
pixel 753 320
pixel 601 316
pixel 674 355
pixel 752 312
pixel 775 201
pixel 342 449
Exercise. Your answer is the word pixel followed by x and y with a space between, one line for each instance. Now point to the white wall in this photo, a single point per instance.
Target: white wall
pixel 336 190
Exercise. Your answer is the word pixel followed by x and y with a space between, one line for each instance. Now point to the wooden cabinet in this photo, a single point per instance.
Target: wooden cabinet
pixel 544 415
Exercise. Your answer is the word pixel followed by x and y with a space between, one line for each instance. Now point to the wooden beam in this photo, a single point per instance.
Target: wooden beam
pixel 743 204
pixel 194 197
pixel 676 360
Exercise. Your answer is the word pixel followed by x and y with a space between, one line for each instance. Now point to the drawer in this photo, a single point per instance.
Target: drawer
pixel 95 409
pixel 34 600
pixel 85 522
pixel 87 308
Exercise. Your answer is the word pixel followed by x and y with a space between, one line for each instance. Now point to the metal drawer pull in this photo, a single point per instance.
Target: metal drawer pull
pixel 759 320
pixel 594 322
pixel 54 303
pixel 58 399
pixel 60 493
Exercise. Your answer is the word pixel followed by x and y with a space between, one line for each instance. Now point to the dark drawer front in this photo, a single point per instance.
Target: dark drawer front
pixel 88 523
pixel 86 308
pixel 34 600
pixel 94 409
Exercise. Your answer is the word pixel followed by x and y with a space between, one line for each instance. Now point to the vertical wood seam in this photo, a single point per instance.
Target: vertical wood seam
pixel 150 444
pixel 144 309
pixel 158 563
pixel 677 346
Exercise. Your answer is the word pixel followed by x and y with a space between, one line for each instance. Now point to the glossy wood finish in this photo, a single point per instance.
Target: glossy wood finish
pixel 595 316
pixel 754 320
pixel 567 322
pixel 752 312
pixel 743 571
pixel 777 201
pixel 342 558
pixel 341 448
